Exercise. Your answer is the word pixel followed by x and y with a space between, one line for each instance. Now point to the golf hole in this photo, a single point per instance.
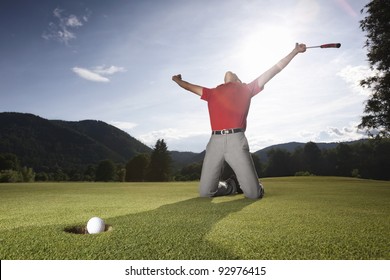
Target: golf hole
pixel 83 229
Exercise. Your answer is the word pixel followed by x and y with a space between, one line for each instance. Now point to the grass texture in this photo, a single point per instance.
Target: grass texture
pixel 315 218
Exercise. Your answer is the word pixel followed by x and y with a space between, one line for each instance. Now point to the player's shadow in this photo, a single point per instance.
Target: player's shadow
pixel 175 231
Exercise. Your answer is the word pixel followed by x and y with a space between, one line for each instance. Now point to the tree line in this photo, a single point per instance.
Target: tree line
pixel 365 159
pixel 368 159
pixel 376 25
pixel 154 166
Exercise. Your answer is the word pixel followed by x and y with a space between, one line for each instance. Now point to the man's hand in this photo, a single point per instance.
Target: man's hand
pixel 300 48
pixel 187 86
pixel 176 78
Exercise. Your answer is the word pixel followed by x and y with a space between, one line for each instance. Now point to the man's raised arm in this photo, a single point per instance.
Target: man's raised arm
pixel 187 86
pixel 270 73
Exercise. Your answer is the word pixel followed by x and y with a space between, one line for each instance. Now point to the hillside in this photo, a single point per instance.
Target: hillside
pixel 290 147
pixel 52 145
pixel 111 137
pixel 46 145
pixel 182 159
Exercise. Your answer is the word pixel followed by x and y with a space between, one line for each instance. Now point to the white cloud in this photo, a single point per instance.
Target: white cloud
pixel 103 70
pixel 124 125
pixel 73 21
pixel 337 134
pixel 89 75
pixel 98 73
pixel 352 75
pixel 316 133
pixel 57 13
pixel 63 29
pixel 177 140
pixel 169 134
pixel 153 136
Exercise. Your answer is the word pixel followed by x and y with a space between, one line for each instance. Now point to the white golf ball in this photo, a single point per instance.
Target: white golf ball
pixel 95 225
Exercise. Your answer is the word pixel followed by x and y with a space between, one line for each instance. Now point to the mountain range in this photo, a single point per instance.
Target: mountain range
pixel 46 144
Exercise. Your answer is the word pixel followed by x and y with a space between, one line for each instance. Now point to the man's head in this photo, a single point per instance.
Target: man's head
pixel 231 77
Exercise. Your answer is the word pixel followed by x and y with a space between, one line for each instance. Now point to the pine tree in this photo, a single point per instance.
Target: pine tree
pixel 160 163
pixel 136 168
pixel 106 171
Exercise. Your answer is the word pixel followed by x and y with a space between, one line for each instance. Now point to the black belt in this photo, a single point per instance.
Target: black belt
pixel 227 131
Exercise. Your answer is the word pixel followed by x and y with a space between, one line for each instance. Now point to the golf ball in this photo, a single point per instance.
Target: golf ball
pixel 95 225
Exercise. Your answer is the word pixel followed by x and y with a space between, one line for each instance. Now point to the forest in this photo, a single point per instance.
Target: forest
pixel 367 159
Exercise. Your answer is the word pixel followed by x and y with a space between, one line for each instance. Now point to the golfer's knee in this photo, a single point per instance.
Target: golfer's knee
pixel 253 193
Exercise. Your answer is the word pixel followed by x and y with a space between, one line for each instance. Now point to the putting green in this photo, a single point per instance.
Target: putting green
pixel 299 218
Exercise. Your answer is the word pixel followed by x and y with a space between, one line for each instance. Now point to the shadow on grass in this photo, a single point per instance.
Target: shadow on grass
pixel 177 231
pixel 174 231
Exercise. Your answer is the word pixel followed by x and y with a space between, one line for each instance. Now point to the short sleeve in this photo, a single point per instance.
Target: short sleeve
pixel 205 94
pixel 254 88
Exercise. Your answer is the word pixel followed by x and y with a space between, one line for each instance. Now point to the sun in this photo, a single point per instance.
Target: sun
pixel 262 48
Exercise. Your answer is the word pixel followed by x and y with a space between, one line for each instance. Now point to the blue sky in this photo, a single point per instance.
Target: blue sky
pixel 113 61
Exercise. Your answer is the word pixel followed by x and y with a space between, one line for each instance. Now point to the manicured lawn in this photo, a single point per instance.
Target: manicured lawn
pixel 299 218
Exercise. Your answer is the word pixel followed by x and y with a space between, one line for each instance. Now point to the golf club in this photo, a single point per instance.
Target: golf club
pixel 326 46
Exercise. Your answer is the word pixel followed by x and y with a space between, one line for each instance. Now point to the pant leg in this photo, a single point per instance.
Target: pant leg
pixel 240 160
pixel 212 168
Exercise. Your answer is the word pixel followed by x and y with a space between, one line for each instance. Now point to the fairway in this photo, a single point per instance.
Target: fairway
pixel 299 218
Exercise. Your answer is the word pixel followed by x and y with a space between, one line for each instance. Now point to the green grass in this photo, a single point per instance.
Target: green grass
pixel 299 218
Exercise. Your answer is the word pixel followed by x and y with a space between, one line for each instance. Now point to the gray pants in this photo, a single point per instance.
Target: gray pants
pixel 234 149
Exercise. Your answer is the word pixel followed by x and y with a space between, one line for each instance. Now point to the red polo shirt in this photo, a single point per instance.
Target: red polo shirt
pixel 229 104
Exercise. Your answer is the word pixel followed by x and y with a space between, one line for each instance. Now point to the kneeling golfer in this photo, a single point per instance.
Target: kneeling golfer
pixel 228 106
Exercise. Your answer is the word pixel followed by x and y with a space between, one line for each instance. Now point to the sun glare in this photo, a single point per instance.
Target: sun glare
pixel 261 49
